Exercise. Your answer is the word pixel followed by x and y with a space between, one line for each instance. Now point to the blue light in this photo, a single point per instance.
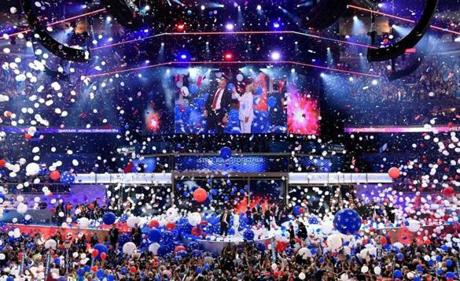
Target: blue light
pixel 276 25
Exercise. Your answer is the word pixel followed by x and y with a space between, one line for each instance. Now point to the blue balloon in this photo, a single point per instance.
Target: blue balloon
pixel 261 247
pixel 272 101
pixel 101 248
pixel 347 221
pixel 100 274
pixel 231 87
pixel 449 262
pixel 193 89
pixel 110 277
pixel 313 220
pixel 67 178
pixel 248 235
pixel 450 275
pixel 155 235
pixel 109 218
pixel 163 251
pixel 80 272
pixel 226 152
pixel 397 273
pixel 57 261
pixel 419 268
pixel 297 210
pixel 400 256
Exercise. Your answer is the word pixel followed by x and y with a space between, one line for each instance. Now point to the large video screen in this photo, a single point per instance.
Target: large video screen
pixel 248 100
pixel 235 100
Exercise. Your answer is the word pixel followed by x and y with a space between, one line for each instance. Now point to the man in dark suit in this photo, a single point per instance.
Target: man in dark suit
pixel 217 108
pixel 224 223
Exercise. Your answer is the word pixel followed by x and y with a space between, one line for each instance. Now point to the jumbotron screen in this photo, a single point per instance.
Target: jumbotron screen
pixel 246 100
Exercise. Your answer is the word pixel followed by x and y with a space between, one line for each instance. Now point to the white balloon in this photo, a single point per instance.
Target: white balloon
pixel 239 77
pixel 132 221
pixel 83 222
pixel 377 270
pixel 413 225
pixel 327 227
pixel 153 248
pixel 194 219
pixel 129 248
pixel 364 269
pixel 302 276
pixel 22 208
pixel 50 244
pixel 334 241
pixel 32 169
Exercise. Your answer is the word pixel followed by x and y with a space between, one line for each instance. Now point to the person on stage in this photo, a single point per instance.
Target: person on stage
pixel 236 220
pixel 246 111
pixel 224 223
pixel 217 108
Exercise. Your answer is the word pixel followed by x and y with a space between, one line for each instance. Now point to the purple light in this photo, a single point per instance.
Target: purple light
pixel 229 26
pixel 276 55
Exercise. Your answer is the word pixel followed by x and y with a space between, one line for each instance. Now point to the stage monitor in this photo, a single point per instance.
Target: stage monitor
pixel 235 100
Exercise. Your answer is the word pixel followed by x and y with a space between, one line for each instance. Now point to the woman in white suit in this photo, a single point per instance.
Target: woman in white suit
pixel 246 111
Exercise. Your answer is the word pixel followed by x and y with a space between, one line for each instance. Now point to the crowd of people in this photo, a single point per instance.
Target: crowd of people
pixel 298 252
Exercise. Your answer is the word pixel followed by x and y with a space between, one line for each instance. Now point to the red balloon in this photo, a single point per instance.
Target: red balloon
pixel 170 226
pixel 103 256
pixel 154 224
pixel 94 268
pixel 394 173
pixel 383 240
pixel 2 163
pixel 448 191
pixel 196 231
pixel 179 248
pixel 133 269
pixel 55 175
pixel 28 137
pixel 200 195
pixel 95 253
pixel 281 246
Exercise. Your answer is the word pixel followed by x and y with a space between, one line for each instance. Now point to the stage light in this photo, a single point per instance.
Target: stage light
pixel 351 79
pixel 203 7
pixel 229 26
pixel 275 55
pixel 228 56
pixel 380 5
pixel 322 75
pixel 355 18
pixel 180 27
pixel 375 82
pixel 108 19
pixel 276 25
pixel 259 8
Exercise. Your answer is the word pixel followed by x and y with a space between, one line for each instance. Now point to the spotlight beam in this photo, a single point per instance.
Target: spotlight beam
pixel 362 9
pixel 61 21
pixel 172 63
pixel 235 33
